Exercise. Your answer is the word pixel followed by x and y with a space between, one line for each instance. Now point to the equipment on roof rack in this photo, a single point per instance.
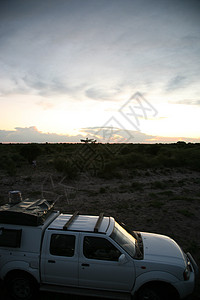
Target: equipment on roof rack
pixel 27 212
pixel 15 197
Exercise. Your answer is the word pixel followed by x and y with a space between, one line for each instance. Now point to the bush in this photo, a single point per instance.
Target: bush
pixel 30 152
pixel 8 165
pixel 138 186
pixel 66 167
pixel 111 170
pixel 10 168
pixel 153 149
pixel 156 203
pixel 135 160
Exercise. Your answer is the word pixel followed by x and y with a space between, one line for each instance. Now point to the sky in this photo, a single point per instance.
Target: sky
pixel 112 70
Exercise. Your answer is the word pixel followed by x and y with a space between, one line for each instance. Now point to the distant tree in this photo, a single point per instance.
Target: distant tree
pixel 181 143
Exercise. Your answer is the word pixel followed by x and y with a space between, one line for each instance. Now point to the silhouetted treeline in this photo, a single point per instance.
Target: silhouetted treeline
pixel 106 158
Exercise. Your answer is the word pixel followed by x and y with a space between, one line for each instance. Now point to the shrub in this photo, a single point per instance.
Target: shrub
pixel 10 168
pixel 167 193
pixel 193 247
pixel 8 165
pixel 135 160
pixel 102 190
pixel 110 170
pixel 156 203
pixel 153 149
pixel 186 213
pixel 138 186
pixel 66 167
pixel 30 152
pixel 159 185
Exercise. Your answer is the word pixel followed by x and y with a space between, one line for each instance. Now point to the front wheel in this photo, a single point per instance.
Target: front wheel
pixel 21 287
pixel 151 293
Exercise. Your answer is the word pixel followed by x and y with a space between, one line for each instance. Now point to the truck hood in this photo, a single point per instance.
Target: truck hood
pixel 162 248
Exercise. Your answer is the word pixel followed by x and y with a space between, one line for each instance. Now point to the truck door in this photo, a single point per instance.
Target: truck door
pixel 99 265
pixel 59 258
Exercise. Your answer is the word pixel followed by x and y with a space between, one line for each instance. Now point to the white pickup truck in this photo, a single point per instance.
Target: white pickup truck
pixel 42 249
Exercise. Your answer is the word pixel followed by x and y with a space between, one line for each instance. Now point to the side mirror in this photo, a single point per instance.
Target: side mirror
pixel 122 259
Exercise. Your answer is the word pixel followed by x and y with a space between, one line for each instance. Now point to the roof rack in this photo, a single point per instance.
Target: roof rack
pixel 65 227
pixel 98 223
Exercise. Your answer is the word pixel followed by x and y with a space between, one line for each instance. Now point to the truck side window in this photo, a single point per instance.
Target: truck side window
pixel 100 248
pixel 10 237
pixel 62 245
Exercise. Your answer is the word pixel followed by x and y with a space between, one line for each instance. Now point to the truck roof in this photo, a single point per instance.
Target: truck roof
pixel 83 223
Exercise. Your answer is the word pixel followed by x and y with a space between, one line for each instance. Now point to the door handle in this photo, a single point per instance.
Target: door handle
pixel 51 261
pixel 85 265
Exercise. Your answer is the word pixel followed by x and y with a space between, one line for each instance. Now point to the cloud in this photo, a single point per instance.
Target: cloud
pixel 47 85
pixel 106 134
pixel 33 135
pixel 39 84
pixel 101 134
pixel 187 102
pixel 103 93
pixel 64 52
pixel 110 134
pixel 175 83
pixel 33 83
pixel 50 47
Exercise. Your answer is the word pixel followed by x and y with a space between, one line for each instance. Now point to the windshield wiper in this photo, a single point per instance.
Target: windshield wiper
pixel 131 232
pixel 139 253
pixel 140 245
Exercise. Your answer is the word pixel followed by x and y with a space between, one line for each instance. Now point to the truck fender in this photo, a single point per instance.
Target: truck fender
pixel 154 276
pixel 21 266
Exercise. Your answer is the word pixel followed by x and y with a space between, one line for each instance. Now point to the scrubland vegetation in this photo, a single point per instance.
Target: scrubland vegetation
pixel 150 187
pixel 109 158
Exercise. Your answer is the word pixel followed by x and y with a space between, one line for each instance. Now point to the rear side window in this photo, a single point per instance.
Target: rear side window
pixel 10 237
pixel 62 245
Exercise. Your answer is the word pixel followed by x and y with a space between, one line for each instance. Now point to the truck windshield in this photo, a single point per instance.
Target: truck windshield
pixel 124 239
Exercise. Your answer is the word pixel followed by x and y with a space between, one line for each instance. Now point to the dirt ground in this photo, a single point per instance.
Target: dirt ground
pixel 165 201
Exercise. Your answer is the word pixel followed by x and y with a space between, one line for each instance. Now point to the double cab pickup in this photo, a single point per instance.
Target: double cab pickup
pixel 43 249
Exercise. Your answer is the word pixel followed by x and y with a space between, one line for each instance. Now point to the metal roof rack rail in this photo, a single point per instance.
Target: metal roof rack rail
pixel 65 227
pixel 98 223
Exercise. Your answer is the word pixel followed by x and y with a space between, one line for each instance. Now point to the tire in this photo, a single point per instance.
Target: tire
pixel 22 287
pixel 151 293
